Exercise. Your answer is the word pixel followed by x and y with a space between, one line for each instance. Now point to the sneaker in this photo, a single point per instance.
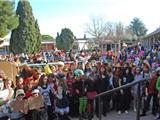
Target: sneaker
pixel 84 116
pixel 126 111
pixel 153 113
pixel 157 117
pixel 119 112
pixel 80 117
pixel 143 114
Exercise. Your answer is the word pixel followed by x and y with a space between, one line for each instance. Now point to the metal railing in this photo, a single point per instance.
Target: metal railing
pixel 119 88
pixel 51 63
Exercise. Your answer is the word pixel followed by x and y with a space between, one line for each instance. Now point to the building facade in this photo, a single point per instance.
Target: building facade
pixel 150 39
pixel 45 46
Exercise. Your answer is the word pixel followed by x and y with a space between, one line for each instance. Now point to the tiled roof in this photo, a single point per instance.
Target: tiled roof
pixel 154 32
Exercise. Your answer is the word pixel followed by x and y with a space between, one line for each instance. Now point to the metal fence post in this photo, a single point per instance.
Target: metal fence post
pixel 138 104
pixel 99 100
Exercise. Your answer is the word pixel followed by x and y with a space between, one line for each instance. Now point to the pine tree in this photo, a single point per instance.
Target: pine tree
pixel 8 18
pixel 26 37
pixel 138 27
pixel 65 40
pixel 39 37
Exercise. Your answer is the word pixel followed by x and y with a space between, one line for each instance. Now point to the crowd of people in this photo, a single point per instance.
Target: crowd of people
pixel 69 86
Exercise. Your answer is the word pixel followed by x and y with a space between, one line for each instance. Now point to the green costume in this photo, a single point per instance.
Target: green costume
pixel 158 84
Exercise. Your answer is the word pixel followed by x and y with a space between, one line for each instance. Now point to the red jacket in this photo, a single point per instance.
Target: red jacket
pixel 152 85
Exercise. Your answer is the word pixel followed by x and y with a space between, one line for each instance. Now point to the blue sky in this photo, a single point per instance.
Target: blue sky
pixel 53 15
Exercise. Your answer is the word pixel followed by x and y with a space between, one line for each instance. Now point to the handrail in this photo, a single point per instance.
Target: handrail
pixel 51 63
pixel 119 88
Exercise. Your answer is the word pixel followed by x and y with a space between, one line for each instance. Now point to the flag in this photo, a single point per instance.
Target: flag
pixel 47 69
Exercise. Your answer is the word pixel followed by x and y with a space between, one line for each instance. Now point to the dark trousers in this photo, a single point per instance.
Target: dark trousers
pixel 22 118
pixel 4 118
pixel 127 99
pixel 105 104
pixel 75 106
pixel 124 100
pixel 71 106
pixel 120 99
pixel 115 101
pixel 90 109
pixel 63 117
pixel 40 114
pixel 146 103
pixel 51 115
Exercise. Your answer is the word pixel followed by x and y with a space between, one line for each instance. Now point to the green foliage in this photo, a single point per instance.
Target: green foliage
pixel 138 27
pixel 8 18
pixel 39 37
pixel 47 38
pixel 65 39
pixel 26 38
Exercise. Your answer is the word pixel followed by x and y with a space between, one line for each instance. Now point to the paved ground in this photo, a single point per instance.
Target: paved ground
pixel 130 116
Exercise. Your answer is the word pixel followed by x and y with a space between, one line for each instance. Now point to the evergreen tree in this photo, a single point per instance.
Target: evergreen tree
pixel 138 27
pixel 47 38
pixel 8 18
pixel 26 37
pixel 65 40
pixel 39 38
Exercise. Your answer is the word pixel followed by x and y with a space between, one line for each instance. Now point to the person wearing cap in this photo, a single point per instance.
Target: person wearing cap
pixel 21 114
pixel 117 70
pixel 35 92
pixel 37 113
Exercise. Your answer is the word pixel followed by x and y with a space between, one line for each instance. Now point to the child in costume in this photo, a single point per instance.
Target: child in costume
pixel 70 93
pixel 158 88
pixel 45 90
pixel 61 105
pixel 79 87
pixel 91 93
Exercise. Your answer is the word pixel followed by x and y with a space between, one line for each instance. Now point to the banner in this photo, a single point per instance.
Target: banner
pixel 35 103
pixel 10 70
pixel 18 106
